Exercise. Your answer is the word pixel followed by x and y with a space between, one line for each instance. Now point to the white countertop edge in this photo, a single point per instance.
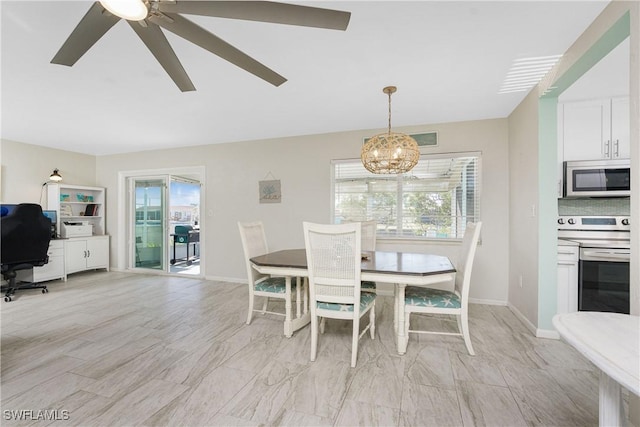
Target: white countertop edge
pixel 622 376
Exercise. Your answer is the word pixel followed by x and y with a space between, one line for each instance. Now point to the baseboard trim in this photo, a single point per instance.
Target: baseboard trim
pixel 226 279
pixel 547 333
pixel 527 323
pixel 487 301
pixel 537 332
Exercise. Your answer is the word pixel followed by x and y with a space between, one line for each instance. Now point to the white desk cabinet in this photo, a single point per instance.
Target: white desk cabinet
pixel 54 269
pixel 86 253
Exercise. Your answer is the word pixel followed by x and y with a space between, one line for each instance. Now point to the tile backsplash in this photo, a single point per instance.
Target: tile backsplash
pixel 618 206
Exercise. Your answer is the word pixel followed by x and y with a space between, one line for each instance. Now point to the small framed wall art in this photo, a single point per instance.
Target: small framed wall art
pixel 270 191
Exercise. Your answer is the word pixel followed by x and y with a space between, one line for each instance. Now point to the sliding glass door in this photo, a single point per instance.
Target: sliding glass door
pixel 150 219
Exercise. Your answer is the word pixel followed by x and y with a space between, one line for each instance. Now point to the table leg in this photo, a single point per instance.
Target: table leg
pixel 402 339
pixel 395 311
pixel 298 284
pixel 306 294
pixel 288 327
pixel 611 409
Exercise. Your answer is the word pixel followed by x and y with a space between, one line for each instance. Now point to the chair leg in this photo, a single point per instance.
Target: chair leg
pixel 323 321
pixel 250 314
pixel 264 305
pixel 372 321
pixel 464 323
pixel 407 323
pixel 314 336
pixel 354 342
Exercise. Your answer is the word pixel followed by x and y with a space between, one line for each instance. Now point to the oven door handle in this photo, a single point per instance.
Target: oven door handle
pixel 595 255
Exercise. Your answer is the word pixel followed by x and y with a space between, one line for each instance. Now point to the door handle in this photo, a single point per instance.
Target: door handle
pixel 604 255
pixel 85 254
pixel 616 152
pixel 607 148
pixel 88 254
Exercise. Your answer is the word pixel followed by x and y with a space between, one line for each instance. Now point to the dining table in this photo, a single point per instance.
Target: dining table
pixel 398 268
pixel 611 341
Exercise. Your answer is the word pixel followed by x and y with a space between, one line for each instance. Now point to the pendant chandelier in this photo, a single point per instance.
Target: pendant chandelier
pixel 390 153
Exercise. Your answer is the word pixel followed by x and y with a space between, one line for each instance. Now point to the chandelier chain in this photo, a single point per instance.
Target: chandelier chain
pixel 389 112
pixel 390 153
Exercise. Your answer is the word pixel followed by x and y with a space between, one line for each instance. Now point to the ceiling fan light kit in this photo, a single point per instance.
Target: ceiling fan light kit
pixel 147 17
pixel 131 10
pixel 390 152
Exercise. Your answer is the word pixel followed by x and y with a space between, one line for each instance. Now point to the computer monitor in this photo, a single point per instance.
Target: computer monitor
pixel 53 217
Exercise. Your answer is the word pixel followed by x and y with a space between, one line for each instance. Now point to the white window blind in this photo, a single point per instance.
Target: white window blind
pixel 435 199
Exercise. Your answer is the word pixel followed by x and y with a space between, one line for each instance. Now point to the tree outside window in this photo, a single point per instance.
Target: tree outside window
pixel 433 201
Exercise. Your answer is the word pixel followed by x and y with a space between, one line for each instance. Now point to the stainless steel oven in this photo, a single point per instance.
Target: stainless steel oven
pixel 597 178
pixel 603 271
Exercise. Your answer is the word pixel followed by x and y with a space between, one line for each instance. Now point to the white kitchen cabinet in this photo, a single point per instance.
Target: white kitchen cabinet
pixel 86 253
pixel 620 129
pixel 595 129
pixel 592 130
pixel 567 292
pixel 54 269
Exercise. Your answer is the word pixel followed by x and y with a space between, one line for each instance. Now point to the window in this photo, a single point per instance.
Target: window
pixel 435 200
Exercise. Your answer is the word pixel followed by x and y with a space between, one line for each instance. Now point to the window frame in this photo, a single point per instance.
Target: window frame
pixel 399 195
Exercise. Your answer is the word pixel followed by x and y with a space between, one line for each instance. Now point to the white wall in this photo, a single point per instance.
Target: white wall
pixel 303 164
pixel 523 197
pixel 26 167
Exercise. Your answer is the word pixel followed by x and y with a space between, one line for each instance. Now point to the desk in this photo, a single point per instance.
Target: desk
pixel 399 268
pixel 611 341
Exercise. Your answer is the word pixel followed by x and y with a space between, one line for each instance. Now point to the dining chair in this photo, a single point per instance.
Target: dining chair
pixel 333 264
pixel 254 243
pixel 369 229
pixel 421 300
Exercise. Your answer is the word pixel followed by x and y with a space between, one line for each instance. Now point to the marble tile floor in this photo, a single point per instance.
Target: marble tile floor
pixel 116 349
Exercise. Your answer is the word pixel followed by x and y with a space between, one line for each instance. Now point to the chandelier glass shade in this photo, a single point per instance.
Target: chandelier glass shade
pixel 390 152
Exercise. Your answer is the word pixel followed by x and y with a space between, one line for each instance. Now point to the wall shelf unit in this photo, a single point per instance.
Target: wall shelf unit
pixel 77 203
pixel 88 248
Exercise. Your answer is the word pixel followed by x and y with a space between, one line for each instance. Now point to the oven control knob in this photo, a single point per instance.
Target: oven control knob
pixel 560 221
pixel 625 221
pixel 571 221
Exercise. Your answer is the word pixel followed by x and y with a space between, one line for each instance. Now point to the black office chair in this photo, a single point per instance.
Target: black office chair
pixel 26 233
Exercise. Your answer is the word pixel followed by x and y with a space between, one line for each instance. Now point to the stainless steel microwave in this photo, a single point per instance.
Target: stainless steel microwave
pixel 597 178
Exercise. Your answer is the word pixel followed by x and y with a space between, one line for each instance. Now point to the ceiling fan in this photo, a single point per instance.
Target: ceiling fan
pixel 147 17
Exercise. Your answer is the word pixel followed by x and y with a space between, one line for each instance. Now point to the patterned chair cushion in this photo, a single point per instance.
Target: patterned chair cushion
pixel 368 286
pixel 425 297
pixel 275 285
pixel 366 298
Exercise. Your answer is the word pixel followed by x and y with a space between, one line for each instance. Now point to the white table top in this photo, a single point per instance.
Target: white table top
pixel 611 341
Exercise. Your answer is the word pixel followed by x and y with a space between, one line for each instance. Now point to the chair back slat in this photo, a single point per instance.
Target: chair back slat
pixel 465 259
pixel 333 260
pixel 369 229
pixel 254 243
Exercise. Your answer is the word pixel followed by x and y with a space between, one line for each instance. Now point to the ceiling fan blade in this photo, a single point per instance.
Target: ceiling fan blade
pixel 198 35
pixel 264 11
pixel 88 31
pixel 157 43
